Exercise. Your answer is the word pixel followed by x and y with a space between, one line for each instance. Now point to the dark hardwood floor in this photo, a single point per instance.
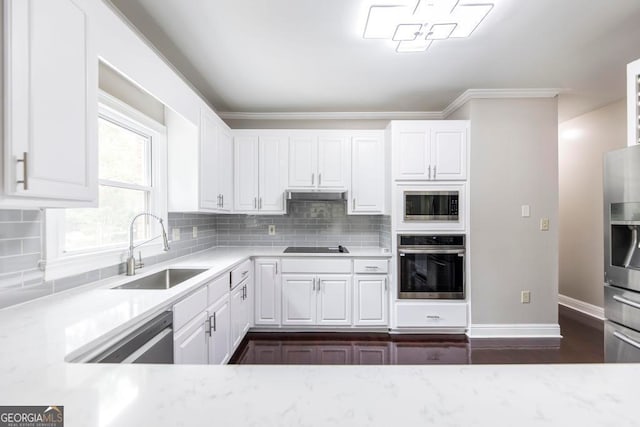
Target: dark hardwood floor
pixel 582 342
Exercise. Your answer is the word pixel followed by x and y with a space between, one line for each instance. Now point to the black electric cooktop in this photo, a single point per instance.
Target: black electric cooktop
pixel 316 250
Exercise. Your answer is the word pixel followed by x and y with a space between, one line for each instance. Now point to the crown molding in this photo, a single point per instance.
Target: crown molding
pixel 371 115
pixel 470 94
pixel 396 115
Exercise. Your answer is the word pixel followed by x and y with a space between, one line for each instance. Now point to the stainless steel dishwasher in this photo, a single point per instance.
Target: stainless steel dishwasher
pixel 150 343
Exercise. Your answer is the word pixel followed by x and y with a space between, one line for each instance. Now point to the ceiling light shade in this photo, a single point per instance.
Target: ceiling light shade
pixel 468 17
pixel 407 32
pixel 441 31
pixel 418 45
pixel 415 25
pixel 383 21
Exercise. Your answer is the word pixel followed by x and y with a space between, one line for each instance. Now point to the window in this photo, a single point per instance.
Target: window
pixel 132 175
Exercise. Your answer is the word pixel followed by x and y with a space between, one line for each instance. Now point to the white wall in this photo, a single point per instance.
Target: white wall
pixel 514 161
pixel 582 144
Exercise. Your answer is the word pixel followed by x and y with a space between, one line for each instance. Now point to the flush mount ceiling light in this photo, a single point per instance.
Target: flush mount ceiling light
pixel 416 26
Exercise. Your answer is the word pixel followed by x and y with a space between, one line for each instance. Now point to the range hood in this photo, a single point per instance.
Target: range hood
pixel 306 194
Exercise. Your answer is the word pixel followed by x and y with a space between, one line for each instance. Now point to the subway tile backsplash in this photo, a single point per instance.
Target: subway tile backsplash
pixel 307 223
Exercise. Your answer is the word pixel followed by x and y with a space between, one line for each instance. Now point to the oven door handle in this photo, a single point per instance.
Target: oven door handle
pixel 431 251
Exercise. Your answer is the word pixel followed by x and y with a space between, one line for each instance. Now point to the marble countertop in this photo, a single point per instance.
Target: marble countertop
pixel 37 337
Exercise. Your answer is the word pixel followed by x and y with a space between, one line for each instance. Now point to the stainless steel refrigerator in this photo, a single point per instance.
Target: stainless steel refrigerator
pixel 622 255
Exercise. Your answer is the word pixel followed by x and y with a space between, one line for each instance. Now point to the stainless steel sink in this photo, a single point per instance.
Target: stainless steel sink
pixel 164 279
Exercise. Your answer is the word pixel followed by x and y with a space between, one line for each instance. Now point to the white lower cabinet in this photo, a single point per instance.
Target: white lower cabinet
pixel 371 300
pixel 323 299
pixel 241 312
pixel 190 342
pixel 267 292
pixel 219 330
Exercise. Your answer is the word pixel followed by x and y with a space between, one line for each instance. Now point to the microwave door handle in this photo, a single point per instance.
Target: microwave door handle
pixel 431 251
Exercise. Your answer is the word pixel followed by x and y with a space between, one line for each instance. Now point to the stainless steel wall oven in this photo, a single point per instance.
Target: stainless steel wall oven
pixel 431 266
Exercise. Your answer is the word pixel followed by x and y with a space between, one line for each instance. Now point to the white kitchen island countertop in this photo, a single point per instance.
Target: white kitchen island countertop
pixel 37 337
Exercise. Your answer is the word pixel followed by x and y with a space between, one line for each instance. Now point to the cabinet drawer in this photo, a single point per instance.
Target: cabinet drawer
pixel 370 266
pixel 316 266
pixel 189 308
pixel 622 306
pixel 417 315
pixel 239 273
pixel 217 288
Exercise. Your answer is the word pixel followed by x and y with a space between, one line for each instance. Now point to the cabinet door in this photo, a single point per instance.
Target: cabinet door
pixel 267 293
pixel 449 151
pixel 220 339
pixel 190 342
pixel 411 151
pixel 247 307
pixel 246 174
pixel 273 174
pixel 303 162
pixel 51 100
pixel 367 175
pixel 225 168
pixel 334 300
pixel 238 316
pixel 209 185
pixel 298 299
pixel 334 162
pixel 371 300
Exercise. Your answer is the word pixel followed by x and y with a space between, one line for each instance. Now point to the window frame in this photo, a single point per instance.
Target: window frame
pixel 59 264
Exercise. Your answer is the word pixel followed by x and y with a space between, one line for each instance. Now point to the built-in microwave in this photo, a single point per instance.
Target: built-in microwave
pixel 431 205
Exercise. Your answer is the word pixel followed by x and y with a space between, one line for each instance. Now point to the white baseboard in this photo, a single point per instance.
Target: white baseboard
pixel 516 330
pixel 581 306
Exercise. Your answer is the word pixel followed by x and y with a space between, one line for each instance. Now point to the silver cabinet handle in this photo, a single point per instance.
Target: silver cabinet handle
pixel 434 171
pixel 255 203
pixel 319 282
pixel 313 286
pixel 276 264
pixel 628 302
pixel 214 322
pixel 25 168
pixel 207 326
pixel 313 178
pixel 624 338
pixel 371 267
pixel 429 172
pixel 386 284
pixel 432 317
pixel 354 203
pixel 222 200
pixel 260 203
pixel 319 179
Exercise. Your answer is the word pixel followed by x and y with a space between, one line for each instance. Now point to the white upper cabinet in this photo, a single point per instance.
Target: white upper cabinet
pixel 200 163
pixel 260 173
pixel 367 175
pixel 51 100
pixel 216 160
pixel 303 161
pixel 430 150
pixel 334 163
pixel 246 174
pixel 319 162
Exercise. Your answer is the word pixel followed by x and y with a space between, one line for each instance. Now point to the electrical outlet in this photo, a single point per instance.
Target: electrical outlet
pixel 175 234
pixel 272 230
pixel 525 297
pixel 525 211
pixel 195 232
pixel 544 224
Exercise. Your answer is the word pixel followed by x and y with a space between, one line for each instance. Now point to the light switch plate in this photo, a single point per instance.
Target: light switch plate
pixel 544 224
pixel 525 297
pixel 272 230
pixel 195 232
pixel 175 234
pixel 526 211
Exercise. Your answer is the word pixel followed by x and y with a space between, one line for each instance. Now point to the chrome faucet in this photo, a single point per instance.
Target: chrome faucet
pixel 131 260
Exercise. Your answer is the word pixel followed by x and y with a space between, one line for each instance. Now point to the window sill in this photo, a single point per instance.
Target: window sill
pixel 72 265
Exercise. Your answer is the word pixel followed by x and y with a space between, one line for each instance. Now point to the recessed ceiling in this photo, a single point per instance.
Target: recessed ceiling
pixel 310 56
